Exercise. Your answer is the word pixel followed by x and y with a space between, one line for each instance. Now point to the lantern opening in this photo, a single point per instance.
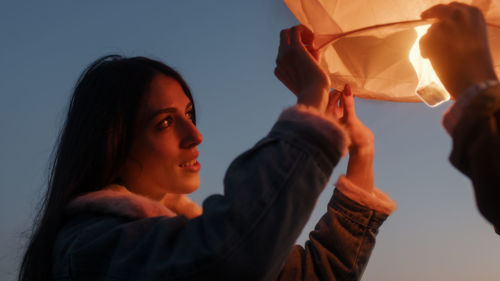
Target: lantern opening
pixel 429 87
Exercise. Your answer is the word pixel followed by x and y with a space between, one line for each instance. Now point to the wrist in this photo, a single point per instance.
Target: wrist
pixel 455 112
pixel 360 168
pixel 479 78
pixel 365 151
pixel 316 97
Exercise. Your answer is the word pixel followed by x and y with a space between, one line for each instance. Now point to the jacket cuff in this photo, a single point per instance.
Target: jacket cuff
pixel 376 200
pixel 455 111
pixel 326 125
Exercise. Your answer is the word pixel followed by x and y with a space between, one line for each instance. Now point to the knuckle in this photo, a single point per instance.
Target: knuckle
pixel 474 9
pixel 457 15
pixel 476 12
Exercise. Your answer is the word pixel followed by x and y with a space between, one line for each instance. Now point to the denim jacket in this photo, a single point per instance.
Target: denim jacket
pixel 248 233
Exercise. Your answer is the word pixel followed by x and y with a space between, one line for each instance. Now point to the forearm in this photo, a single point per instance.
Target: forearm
pixel 360 167
pixel 339 247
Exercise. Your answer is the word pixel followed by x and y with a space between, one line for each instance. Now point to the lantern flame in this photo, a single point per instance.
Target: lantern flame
pixel 429 88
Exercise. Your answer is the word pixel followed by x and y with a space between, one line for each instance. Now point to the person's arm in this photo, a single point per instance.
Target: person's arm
pixel 343 239
pixel 476 150
pixel 339 247
pixel 458 48
pixel 341 244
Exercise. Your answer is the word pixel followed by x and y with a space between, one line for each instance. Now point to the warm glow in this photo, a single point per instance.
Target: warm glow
pixel 429 88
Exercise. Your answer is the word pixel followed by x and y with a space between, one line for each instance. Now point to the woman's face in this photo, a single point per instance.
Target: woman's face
pixel 164 151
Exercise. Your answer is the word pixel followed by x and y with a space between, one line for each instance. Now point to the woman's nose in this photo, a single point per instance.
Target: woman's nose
pixel 191 136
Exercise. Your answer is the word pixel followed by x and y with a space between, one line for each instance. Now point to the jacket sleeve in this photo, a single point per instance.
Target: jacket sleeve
pixel 476 149
pixel 245 234
pixel 340 245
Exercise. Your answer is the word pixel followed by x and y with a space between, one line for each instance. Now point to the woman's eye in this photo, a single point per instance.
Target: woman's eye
pixel 189 115
pixel 165 123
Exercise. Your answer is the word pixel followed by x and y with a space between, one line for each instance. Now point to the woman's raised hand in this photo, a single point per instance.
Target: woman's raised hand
pixel 361 148
pixel 297 67
pixel 341 106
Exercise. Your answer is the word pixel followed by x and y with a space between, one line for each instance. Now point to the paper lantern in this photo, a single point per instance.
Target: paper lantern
pixel 373 45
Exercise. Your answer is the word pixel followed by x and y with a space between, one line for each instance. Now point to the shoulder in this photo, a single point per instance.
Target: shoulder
pixel 89 244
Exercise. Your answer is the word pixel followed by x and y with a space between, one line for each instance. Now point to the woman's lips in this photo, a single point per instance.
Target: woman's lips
pixel 192 166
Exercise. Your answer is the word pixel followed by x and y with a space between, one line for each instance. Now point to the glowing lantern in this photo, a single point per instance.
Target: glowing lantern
pixel 373 45
pixel 429 87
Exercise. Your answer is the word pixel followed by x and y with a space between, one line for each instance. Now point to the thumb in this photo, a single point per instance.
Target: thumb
pixel 439 11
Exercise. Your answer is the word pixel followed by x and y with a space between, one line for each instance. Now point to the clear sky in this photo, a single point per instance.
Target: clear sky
pixel 226 51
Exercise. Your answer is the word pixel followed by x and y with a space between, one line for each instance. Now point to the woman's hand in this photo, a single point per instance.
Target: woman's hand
pixel 361 148
pixel 297 67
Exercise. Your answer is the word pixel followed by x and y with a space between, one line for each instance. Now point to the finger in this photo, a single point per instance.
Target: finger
pixel 348 102
pixel 285 37
pixel 463 11
pixel 442 11
pixel 439 11
pixel 340 110
pixel 428 42
pixel 315 53
pixel 295 36
pixel 284 45
pixel 460 6
pixel 332 102
pixel 307 35
pixel 296 33
pixel 302 37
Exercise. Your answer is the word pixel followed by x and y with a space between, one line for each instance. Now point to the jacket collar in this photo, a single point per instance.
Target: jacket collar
pixel 118 200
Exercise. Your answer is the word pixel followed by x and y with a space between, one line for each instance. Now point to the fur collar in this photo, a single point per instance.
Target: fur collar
pixel 325 124
pixel 118 200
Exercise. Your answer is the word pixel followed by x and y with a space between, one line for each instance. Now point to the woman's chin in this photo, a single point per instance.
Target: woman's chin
pixel 186 186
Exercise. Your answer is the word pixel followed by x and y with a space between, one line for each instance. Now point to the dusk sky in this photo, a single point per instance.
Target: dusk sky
pixel 226 51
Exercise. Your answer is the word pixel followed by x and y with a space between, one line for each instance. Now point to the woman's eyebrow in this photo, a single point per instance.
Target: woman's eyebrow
pixel 167 110
pixel 162 111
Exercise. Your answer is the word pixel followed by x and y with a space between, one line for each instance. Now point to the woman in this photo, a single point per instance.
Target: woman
pixel 117 207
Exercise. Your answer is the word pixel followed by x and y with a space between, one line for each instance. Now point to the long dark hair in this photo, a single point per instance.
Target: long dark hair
pixel 94 142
